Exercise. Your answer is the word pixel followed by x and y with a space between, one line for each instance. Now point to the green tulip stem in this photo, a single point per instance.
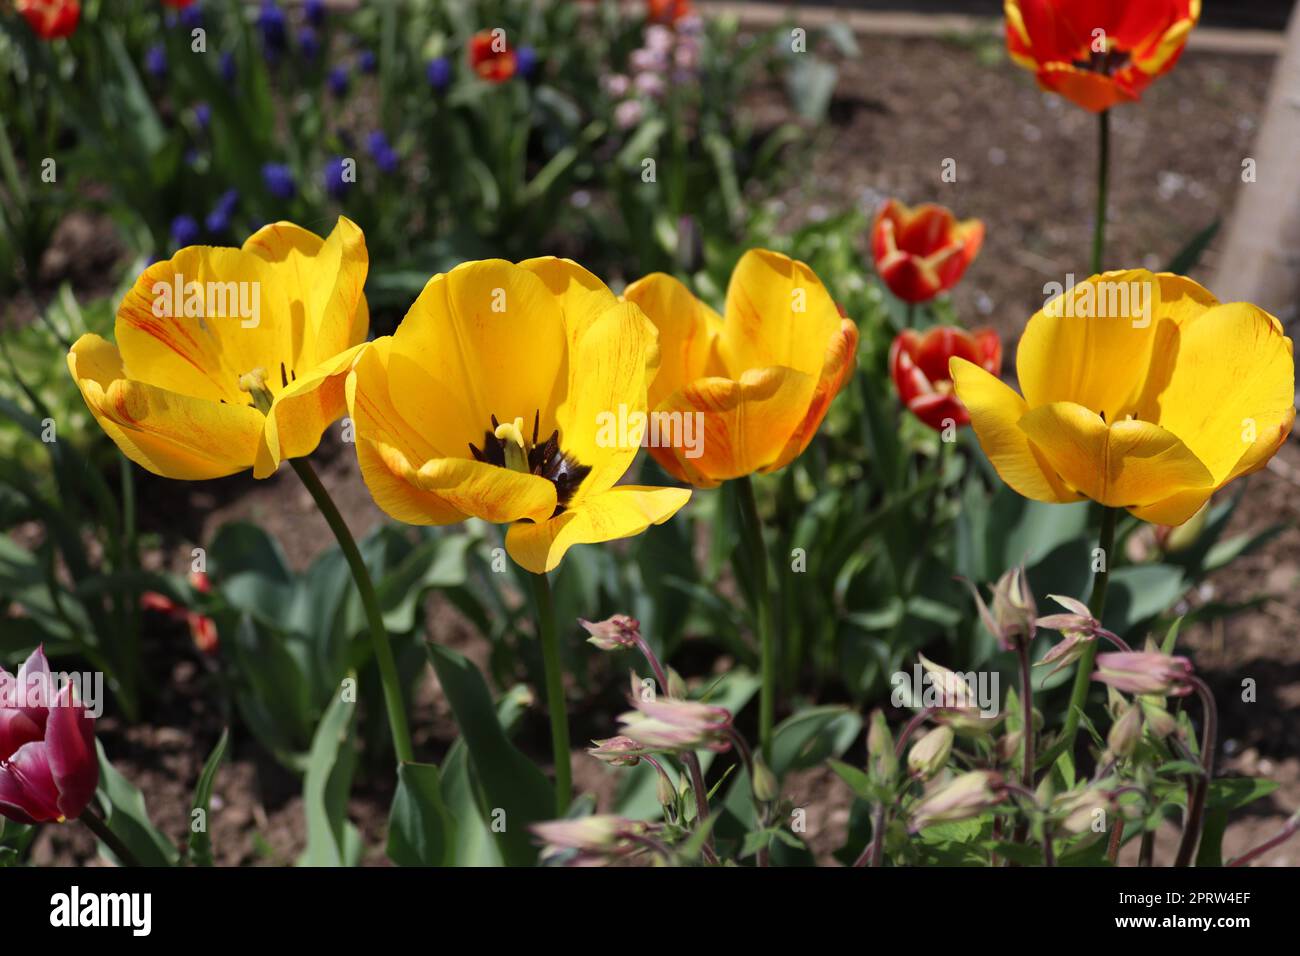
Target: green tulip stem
pixel 96 824
pixel 1103 188
pixel 751 532
pixel 554 693
pixel 1096 605
pixel 370 601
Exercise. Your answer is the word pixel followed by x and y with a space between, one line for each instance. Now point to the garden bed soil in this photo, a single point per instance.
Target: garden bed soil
pixel 1025 165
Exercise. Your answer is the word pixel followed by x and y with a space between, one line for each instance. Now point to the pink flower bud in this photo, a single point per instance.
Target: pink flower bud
pixel 615 633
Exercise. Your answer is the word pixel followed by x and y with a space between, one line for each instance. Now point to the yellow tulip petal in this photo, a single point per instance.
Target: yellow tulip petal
pixel 301 412
pixel 1230 394
pixel 778 313
pixel 841 355
pixel 169 434
pixel 1124 464
pixel 486 491
pixel 394 486
pixel 687 329
pixel 606 395
pixel 1093 344
pixel 195 323
pixel 487 338
pixel 322 280
pixel 747 424
pixel 618 513
pixel 995 411
pixel 1175 509
pixel 582 297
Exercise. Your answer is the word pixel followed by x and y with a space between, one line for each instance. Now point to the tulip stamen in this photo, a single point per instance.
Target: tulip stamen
pixel 506 446
pixel 1107 63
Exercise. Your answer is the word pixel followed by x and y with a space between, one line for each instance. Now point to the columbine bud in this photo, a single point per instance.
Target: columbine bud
pixel 1078 627
pixel 1077 811
pixel 616 751
pixel 882 764
pixel 664 791
pixel 959 704
pixel 766 787
pixel 1125 732
pixel 1159 721
pixel 615 633
pixel 592 840
pixel 967 796
pixel 929 754
pixel 1012 619
pixel 1145 672
pixel 677 725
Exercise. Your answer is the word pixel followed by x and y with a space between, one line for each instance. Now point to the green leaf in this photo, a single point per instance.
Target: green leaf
pixel 421 830
pixel 511 783
pixel 200 841
pixel 128 818
pixel 1139 593
pixel 1190 254
pixel 331 839
pixel 812 736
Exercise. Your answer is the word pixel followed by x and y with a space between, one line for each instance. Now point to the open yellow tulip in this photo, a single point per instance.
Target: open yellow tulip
pixel 1141 391
pixel 761 379
pixel 284 314
pixel 493 400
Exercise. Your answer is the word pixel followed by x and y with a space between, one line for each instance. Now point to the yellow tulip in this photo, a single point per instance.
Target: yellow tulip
pixel 760 379
pixel 493 400
pixel 1140 391
pixel 284 314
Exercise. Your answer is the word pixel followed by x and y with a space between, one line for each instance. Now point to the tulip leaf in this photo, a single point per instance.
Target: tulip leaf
pixel 200 853
pixel 1187 258
pixel 421 830
pixel 511 784
pixel 128 818
pixel 1141 592
pixel 813 735
pixel 331 839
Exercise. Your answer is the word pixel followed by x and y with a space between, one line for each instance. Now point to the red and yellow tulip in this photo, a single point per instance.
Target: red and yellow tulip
pixel 202 335
pixel 489 402
pixel 1097 53
pixel 1149 408
pixel 923 251
pixel 760 379
pixel 919 367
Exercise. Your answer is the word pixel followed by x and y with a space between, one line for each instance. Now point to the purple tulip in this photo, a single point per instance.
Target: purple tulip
pixel 279 180
pixel 48 766
pixel 526 61
pixel 155 61
pixel 185 231
pixel 338 81
pixel 336 184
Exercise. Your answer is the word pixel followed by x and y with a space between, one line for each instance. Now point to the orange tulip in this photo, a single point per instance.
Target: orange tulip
pixel 923 251
pixel 1098 52
pixel 759 380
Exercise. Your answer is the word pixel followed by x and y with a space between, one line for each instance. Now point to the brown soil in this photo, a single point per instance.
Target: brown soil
pixel 1025 165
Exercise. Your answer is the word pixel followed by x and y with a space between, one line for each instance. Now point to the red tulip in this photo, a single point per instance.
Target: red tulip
pixel 667 11
pixel 919 366
pixel 1097 53
pixel 51 19
pixel 203 629
pixel 48 766
pixel 491 57
pixel 923 251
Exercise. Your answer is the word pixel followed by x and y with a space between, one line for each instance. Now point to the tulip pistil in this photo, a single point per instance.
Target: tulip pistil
pixel 506 446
